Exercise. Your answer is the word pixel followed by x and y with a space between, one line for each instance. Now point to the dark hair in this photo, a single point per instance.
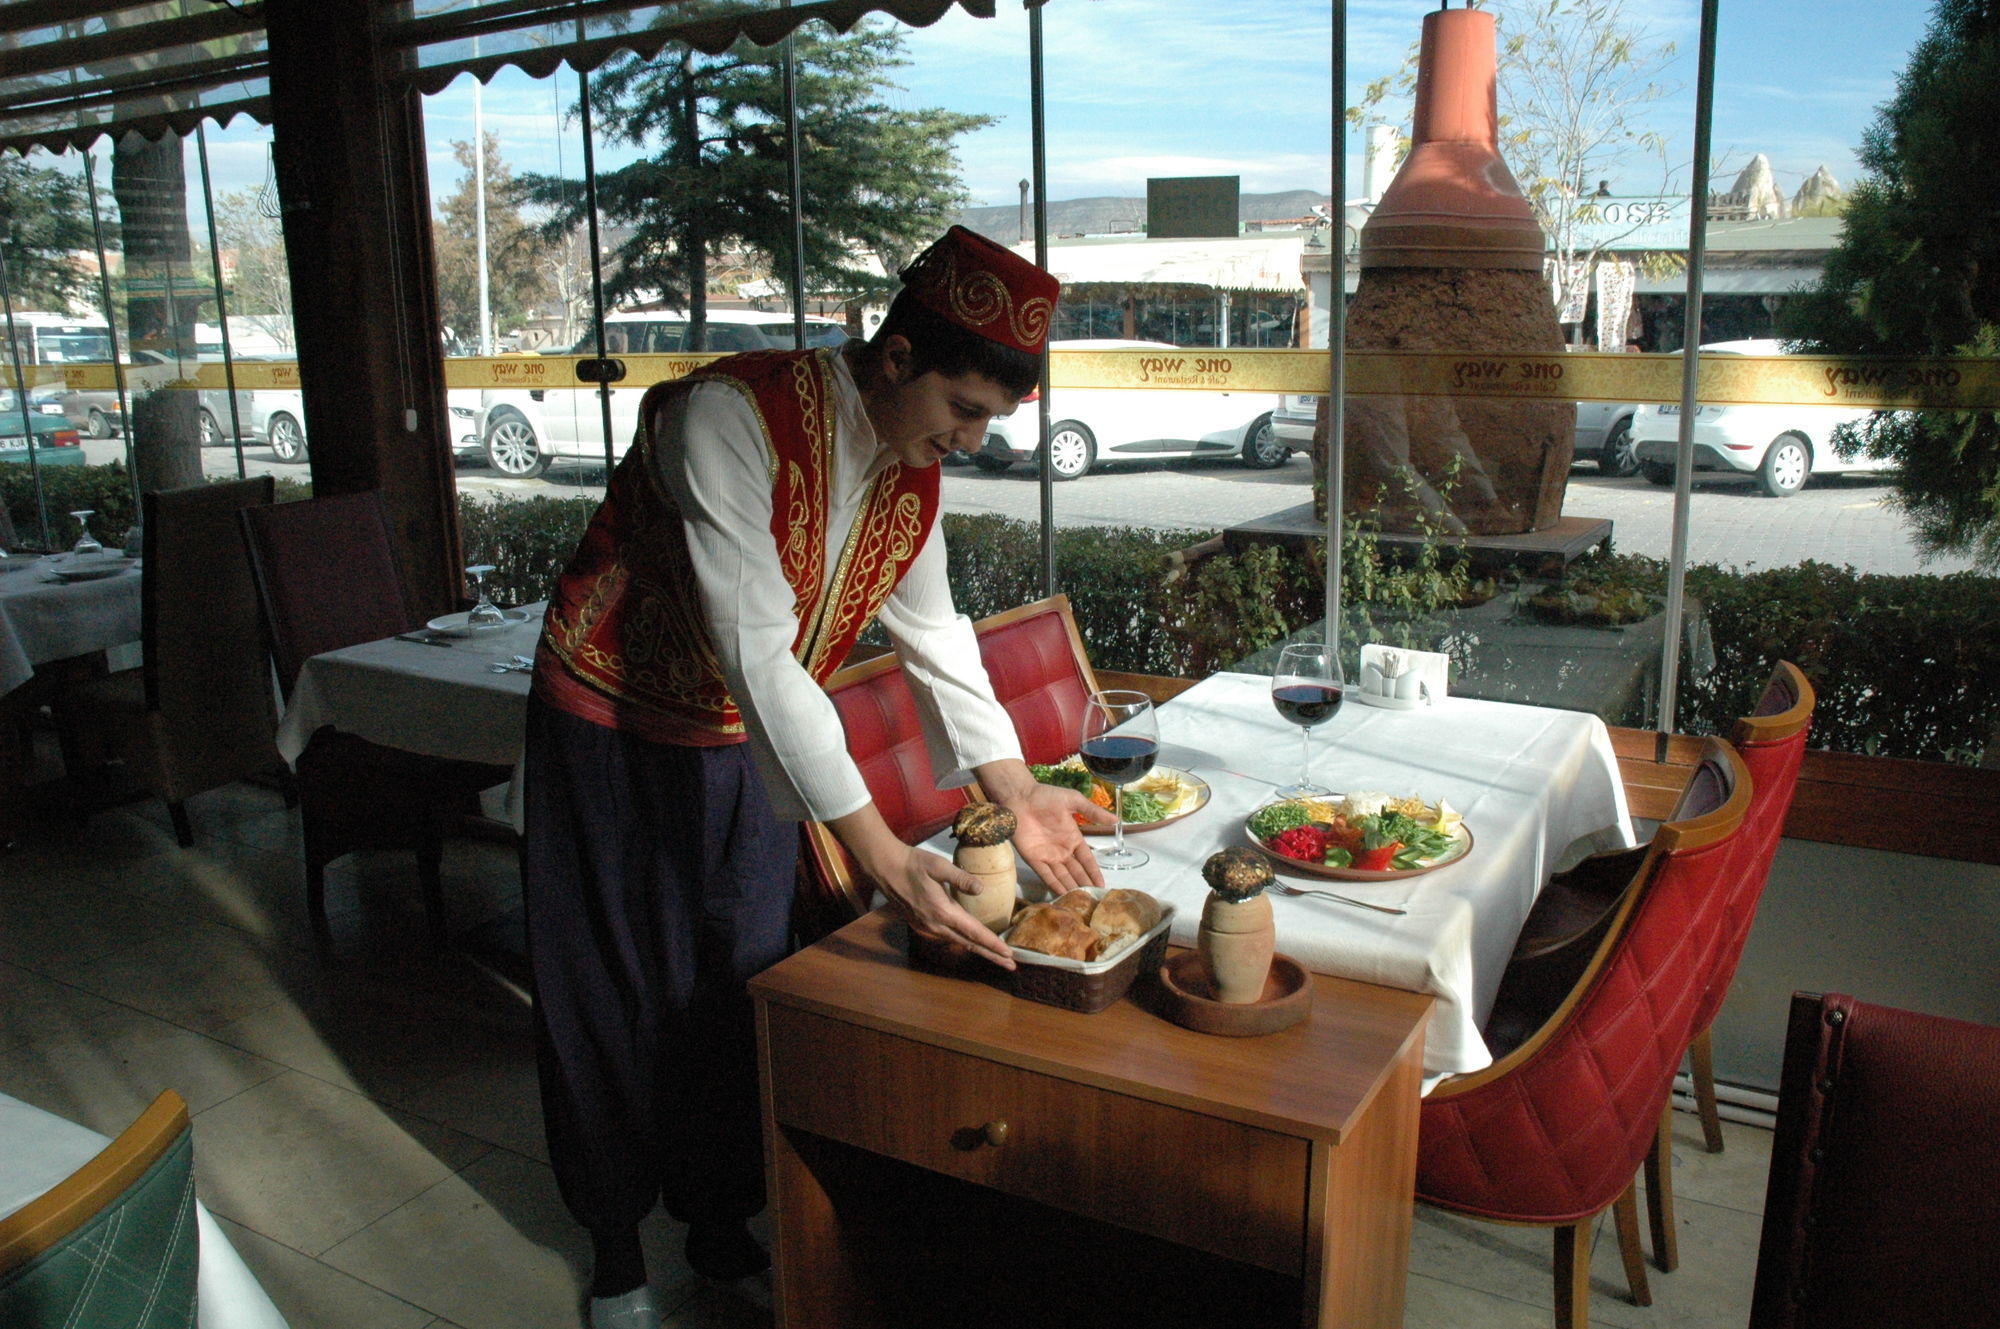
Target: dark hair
pixel 937 344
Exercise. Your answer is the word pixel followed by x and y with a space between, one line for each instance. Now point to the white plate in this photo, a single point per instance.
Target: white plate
pixel 455 625
pixel 88 567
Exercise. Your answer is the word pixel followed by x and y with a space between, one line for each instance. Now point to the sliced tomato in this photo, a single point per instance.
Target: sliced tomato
pixel 1377 860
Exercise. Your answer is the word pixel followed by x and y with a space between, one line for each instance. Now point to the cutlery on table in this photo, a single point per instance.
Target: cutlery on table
pixel 422 639
pixel 1283 889
pixel 511 667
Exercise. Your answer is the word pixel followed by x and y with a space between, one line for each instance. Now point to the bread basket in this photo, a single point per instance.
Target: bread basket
pixel 1088 985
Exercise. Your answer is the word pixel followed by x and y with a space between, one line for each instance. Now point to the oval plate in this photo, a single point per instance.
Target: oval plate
pixel 455 625
pixel 1200 801
pixel 91 568
pixel 1461 845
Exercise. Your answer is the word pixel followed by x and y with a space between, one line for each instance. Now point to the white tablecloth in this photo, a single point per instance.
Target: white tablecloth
pixel 42 619
pixel 39 1149
pixel 1531 782
pixel 436 700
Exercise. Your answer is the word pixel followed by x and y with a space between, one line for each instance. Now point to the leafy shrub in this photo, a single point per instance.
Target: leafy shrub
pixel 106 490
pixel 527 542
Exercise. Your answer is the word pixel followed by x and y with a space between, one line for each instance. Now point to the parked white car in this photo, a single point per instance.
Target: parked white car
pixel 524 429
pixel 1089 426
pixel 1603 430
pixel 1781 446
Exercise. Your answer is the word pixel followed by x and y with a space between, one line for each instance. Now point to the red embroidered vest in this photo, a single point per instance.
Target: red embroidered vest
pixel 625 643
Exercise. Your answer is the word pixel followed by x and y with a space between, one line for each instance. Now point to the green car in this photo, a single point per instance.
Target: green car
pixel 57 442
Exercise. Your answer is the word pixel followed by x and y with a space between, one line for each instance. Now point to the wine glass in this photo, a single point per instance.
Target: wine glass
pixel 1120 742
pixel 1306 688
pixel 86 543
pixel 484 613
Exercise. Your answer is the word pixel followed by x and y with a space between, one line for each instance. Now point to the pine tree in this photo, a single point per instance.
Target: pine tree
pixel 876 180
pixel 1917 272
pixel 47 216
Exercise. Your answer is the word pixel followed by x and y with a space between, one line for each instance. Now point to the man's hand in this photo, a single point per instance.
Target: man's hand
pixel 1048 838
pixel 916 882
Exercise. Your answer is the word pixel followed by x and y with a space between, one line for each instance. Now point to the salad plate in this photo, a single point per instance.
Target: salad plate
pixel 456 625
pixel 1458 843
pixel 1189 796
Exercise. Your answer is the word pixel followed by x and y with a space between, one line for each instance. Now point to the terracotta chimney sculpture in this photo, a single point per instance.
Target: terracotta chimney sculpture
pixel 1452 260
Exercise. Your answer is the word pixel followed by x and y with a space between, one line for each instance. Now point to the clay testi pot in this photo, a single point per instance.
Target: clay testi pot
pixel 985 834
pixel 1236 941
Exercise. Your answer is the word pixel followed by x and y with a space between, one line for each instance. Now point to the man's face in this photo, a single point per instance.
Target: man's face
pixel 922 418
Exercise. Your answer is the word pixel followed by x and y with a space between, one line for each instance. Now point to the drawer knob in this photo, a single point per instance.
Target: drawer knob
pixel 995 1133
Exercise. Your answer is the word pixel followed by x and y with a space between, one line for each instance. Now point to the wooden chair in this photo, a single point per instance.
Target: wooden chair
pixel 199 713
pixel 1040 673
pixel 326 576
pixel 1553 1133
pixel 886 741
pixel 114 1243
pixel 1884 1190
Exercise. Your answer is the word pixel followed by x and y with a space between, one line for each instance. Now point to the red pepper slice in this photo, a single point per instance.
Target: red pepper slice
pixel 1377 860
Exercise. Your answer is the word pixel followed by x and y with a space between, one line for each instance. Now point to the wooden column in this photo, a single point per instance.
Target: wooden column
pixel 350 161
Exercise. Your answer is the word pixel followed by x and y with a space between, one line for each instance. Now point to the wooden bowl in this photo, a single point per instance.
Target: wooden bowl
pixel 1187 999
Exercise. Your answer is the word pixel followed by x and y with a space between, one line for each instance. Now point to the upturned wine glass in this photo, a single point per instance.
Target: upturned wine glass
pixel 86 543
pixel 1306 688
pixel 1119 743
pixel 484 612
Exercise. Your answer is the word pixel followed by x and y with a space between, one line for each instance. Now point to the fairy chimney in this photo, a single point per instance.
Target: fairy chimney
pixel 1452 260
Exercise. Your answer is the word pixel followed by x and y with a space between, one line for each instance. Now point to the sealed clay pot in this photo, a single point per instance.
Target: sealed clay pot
pixel 1237 940
pixel 993 864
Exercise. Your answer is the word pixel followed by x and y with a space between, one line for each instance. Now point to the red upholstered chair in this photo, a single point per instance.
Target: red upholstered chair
pixel 1554 1132
pixel 1040 673
pixel 1772 743
pixel 1885 1180
pixel 886 740
pixel 327 578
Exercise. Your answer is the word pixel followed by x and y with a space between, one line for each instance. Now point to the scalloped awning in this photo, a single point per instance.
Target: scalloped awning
pixel 72 71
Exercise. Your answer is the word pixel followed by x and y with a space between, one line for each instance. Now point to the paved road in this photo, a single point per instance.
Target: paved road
pixel 1836 519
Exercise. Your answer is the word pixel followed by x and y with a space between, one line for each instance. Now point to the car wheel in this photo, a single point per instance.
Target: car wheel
pixel 1620 456
pixel 1072 450
pixel 1657 472
pixel 287 439
pixel 209 430
pixel 98 425
pixel 512 448
pixel 993 464
pixel 1261 448
pixel 1787 463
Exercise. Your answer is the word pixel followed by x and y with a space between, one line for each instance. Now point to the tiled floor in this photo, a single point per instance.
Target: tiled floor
pixel 367 1129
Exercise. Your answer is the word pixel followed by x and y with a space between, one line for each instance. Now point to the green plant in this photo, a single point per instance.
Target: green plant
pixel 105 490
pixel 527 542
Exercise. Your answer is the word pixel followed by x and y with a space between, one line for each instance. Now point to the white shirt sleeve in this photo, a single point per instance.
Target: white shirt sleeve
pixel 710 455
pixel 964 726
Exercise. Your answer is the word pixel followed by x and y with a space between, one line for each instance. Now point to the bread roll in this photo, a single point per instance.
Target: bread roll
pixel 1054 931
pixel 1079 902
pixel 1125 914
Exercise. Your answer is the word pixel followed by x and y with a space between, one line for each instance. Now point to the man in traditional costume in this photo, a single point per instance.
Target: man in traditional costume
pixel 772 505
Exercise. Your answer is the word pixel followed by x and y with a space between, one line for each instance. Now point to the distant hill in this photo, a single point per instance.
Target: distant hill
pixel 1123 216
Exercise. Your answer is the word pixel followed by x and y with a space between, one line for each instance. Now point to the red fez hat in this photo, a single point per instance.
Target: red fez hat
pixel 988 290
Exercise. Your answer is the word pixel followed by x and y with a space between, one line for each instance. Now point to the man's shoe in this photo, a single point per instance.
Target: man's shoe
pixel 637 1309
pixel 725 1250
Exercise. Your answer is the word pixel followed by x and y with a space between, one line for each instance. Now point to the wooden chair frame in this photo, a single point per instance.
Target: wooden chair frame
pixel 1572 1240
pixel 44 1222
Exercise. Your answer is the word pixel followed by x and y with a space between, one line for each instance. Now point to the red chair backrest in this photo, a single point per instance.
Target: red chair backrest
pixel 1885 1182
pixel 1554 1131
pixel 326 572
pixel 1772 742
pixel 1040 673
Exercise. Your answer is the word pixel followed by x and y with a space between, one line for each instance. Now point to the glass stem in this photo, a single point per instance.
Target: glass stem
pixel 1305 756
pixel 1118 811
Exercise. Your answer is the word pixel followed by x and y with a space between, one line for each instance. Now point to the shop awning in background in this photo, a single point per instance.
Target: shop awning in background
pixel 1258 262
pixel 72 71
pixel 1734 281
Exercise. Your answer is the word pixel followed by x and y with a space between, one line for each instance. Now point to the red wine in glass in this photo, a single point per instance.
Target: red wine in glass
pixel 1118 759
pixel 1306 688
pixel 1306 704
pixel 1119 741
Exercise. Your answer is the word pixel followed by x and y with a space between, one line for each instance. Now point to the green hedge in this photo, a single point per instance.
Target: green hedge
pixel 106 490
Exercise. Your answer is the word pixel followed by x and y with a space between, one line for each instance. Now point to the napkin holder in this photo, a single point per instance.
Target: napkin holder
pixel 1401 680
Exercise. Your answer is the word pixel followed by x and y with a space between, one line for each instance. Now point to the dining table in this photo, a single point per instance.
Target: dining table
pixel 1536 786
pixel 44 618
pixel 433 693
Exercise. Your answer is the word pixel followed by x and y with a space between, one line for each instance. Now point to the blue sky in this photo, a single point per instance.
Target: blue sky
pixel 1139 88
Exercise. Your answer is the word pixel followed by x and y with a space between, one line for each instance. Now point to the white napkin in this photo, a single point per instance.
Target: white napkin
pixel 1391 671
